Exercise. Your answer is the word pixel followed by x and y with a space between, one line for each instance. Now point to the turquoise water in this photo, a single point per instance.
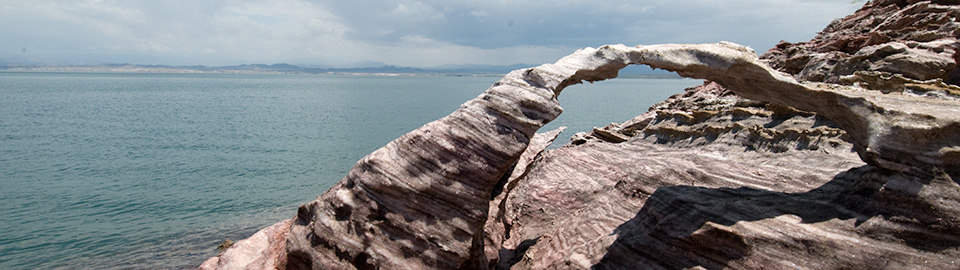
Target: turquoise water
pixel 134 171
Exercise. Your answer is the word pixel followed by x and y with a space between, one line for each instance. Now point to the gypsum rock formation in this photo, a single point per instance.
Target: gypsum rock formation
pixel 644 205
pixel 917 39
pixel 715 192
pixel 711 114
pixel 422 200
pixel 265 249
pixel 709 179
pixel 888 83
pixel 495 229
pixel 893 131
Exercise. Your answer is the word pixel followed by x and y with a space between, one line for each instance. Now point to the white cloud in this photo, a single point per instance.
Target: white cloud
pixel 424 52
pixel 757 23
pixel 479 13
pixel 399 32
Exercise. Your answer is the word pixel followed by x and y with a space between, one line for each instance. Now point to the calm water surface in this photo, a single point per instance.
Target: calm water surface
pixel 134 171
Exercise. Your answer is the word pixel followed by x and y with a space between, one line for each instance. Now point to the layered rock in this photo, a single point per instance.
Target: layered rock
pixel 495 229
pixel 421 202
pixel 917 39
pixel 673 208
pixel 717 181
pixel 894 131
pixel 711 179
pixel 754 169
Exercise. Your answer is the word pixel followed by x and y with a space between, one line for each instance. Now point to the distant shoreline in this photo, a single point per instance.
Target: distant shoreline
pixel 386 70
pixel 239 72
pixel 226 70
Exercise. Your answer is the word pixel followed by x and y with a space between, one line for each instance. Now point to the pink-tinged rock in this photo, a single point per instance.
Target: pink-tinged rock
pixel 716 181
pixel 265 249
pixel 918 39
pixel 496 226
pixel 757 170
pixel 421 201
pixel 893 131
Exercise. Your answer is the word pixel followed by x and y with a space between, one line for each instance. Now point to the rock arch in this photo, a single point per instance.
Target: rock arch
pixel 422 201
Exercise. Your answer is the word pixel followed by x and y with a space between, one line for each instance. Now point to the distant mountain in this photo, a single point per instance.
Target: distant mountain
pixel 294 69
pixel 258 67
pixel 642 70
pixel 480 69
pixel 383 69
pixel 264 68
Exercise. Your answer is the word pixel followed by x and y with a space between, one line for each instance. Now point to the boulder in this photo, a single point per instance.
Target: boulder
pixel 265 249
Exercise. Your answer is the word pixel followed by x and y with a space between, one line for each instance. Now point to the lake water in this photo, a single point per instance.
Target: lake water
pixel 134 171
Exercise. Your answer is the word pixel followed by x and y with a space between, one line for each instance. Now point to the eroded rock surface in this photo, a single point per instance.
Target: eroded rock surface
pixel 917 39
pixel 265 249
pixel 713 180
pixel 894 131
pixel 496 226
pixel 754 169
pixel 421 202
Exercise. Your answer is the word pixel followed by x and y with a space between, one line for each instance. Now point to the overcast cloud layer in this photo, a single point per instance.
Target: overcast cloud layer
pixel 397 32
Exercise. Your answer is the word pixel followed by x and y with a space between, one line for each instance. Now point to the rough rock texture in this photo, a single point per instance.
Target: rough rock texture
pixel 711 179
pixel 894 131
pixel 421 201
pixel 496 226
pixel 918 39
pixel 889 83
pixel 265 249
pixel 717 181
pixel 712 115
pixel 754 169
pixel 692 206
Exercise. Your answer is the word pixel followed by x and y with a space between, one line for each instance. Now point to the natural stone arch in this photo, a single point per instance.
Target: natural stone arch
pixel 889 130
pixel 422 200
pixel 427 192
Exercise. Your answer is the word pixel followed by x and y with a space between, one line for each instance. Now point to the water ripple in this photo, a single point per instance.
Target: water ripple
pixel 152 171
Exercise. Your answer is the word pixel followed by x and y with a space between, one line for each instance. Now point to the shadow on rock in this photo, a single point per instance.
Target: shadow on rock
pixel 679 226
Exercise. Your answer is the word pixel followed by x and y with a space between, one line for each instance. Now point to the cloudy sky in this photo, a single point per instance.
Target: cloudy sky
pixel 415 33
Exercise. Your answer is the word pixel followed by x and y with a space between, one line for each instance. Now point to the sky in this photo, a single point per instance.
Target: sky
pixel 357 33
